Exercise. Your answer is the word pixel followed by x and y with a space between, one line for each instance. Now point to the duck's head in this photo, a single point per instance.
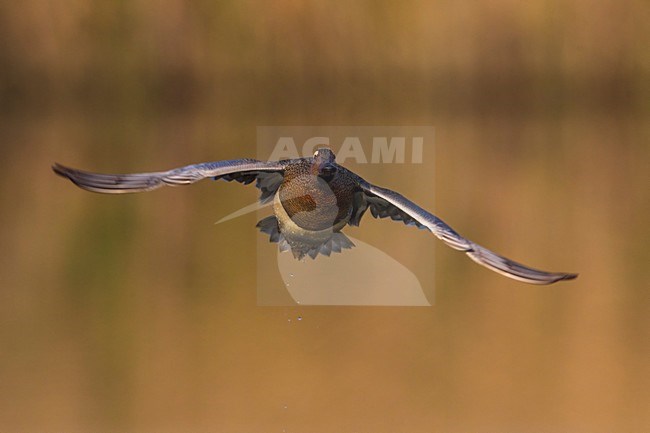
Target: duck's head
pixel 324 165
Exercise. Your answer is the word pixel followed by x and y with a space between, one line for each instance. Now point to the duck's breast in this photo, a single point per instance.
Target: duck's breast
pixel 313 204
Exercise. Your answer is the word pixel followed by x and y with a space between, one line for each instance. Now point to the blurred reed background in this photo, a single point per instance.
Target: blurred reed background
pixel 137 314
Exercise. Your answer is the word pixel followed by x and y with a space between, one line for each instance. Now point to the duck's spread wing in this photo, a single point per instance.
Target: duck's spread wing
pixel 268 174
pixel 386 203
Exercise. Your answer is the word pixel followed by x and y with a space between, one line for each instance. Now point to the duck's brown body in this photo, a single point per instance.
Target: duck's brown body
pixel 313 203
pixel 311 208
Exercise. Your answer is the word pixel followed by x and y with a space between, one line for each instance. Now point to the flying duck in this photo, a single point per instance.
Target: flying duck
pixel 313 199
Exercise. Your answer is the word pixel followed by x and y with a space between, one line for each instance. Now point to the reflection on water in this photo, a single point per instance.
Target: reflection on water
pixel 137 313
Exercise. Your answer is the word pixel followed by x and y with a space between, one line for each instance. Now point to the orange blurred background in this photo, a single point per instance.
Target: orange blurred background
pixel 137 314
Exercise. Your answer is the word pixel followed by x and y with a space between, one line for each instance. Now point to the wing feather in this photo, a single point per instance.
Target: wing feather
pixel 439 228
pixel 242 170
